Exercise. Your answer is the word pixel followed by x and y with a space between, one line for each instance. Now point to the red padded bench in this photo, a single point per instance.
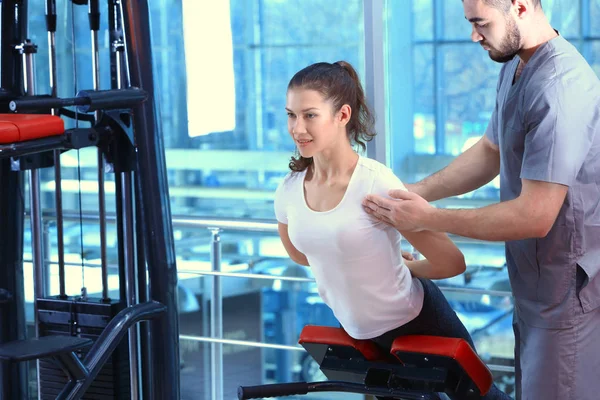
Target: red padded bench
pixel 408 347
pixel 15 128
pixel 416 367
pixel 312 334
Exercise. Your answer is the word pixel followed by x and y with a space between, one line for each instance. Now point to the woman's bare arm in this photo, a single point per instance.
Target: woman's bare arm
pixel 442 258
pixel 295 255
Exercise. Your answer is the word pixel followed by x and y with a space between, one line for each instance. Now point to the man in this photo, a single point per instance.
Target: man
pixel 544 141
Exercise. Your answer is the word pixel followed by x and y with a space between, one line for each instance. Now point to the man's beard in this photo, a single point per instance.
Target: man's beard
pixel 510 46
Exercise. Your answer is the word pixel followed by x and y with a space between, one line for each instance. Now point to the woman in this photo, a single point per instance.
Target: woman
pixel 355 258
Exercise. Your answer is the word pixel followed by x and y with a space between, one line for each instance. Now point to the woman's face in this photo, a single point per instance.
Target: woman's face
pixel 312 122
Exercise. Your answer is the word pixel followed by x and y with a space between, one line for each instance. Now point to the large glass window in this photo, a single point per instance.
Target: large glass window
pixel 594 16
pixel 454 82
pixel 233 169
pixel 233 173
pixel 221 71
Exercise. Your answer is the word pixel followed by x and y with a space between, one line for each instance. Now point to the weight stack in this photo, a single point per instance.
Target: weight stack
pixel 86 319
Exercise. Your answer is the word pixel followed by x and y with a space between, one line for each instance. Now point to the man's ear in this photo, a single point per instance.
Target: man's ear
pixel 522 7
pixel 344 114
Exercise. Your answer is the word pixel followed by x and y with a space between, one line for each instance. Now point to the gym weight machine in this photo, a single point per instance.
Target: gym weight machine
pixel 77 334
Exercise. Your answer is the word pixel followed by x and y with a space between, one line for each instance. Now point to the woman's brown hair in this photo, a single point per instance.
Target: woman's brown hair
pixel 338 83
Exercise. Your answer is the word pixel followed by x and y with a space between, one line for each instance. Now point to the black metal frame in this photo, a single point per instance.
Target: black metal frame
pixel 153 191
pixel 108 341
pixel 113 133
pixel 13 378
pixel 82 373
pixel 70 139
pixel 302 388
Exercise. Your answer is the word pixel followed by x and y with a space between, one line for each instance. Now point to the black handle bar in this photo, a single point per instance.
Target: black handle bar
pixel 274 390
pixel 86 100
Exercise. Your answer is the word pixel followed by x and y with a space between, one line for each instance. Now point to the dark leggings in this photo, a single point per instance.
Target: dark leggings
pixel 436 318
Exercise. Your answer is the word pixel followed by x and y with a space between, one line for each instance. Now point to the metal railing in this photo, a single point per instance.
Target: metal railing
pixel 190 221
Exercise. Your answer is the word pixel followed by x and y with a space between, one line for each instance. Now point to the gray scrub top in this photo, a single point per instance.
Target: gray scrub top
pixel 547 127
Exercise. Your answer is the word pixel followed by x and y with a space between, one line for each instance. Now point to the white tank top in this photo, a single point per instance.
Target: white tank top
pixel 355 258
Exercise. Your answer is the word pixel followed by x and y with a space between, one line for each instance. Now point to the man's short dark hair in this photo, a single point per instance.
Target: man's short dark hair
pixel 504 5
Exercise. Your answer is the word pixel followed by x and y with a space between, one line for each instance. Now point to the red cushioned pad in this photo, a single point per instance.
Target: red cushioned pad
pixel 29 126
pixel 458 349
pixel 9 133
pixel 339 337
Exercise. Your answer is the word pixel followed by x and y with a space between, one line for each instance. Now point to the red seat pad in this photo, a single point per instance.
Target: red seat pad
pixel 458 349
pixel 32 126
pixel 9 133
pixel 339 337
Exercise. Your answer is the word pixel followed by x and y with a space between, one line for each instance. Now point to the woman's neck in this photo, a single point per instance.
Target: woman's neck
pixel 331 166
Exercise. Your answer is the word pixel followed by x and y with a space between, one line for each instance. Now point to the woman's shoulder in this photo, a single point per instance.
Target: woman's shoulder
pixel 293 177
pixel 290 180
pixel 370 165
pixel 382 177
pixel 375 168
